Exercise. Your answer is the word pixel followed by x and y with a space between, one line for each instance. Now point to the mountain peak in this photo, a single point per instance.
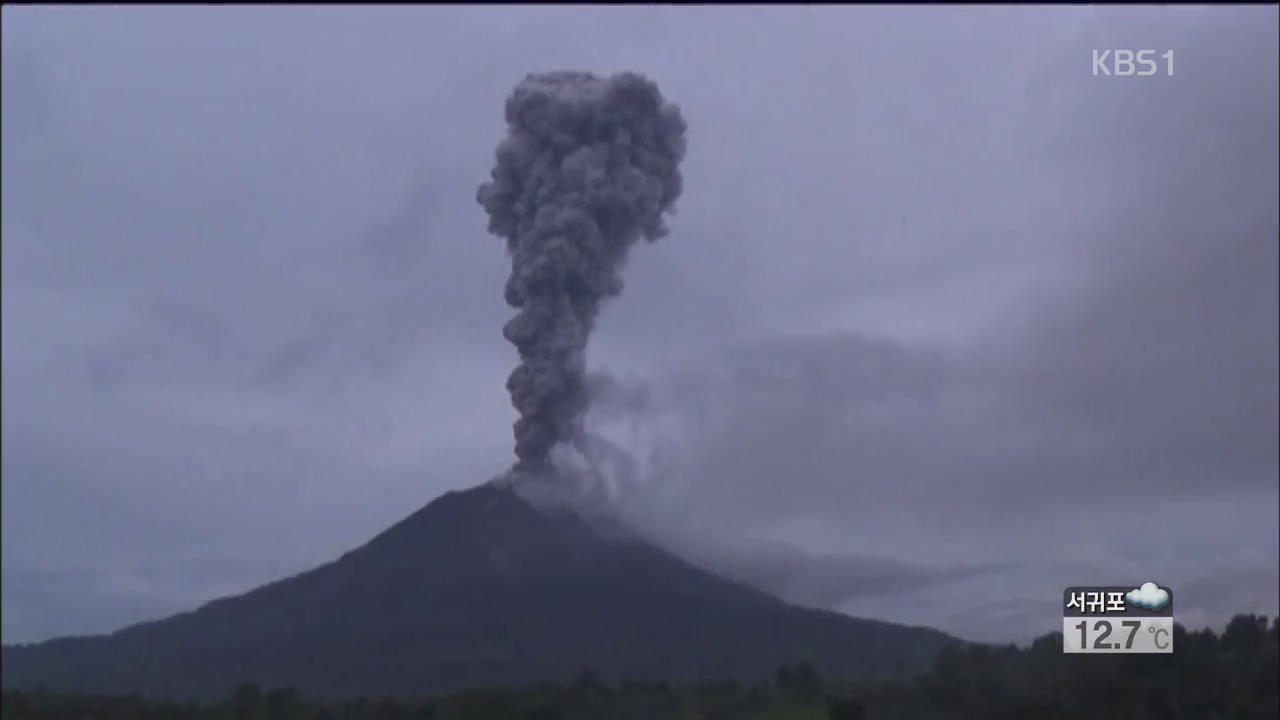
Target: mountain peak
pixel 478 587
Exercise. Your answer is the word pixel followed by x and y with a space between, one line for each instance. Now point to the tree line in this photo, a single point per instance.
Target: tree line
pixel 1230 675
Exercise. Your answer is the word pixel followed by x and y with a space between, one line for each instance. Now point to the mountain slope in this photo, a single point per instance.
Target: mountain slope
pixel 476 588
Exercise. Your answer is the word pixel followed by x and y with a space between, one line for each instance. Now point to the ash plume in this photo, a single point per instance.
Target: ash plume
pixel 590 165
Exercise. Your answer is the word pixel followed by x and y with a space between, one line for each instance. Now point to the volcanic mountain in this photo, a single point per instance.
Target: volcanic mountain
pixel 477 588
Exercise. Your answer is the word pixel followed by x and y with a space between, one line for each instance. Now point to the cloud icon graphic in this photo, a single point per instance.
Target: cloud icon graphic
pixel 1149 596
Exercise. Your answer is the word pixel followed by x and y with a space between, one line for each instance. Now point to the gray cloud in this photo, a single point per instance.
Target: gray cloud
pixel 947 323
pixel 590 166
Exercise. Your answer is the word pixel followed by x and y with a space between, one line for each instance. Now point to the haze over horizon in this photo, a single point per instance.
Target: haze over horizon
pixel 944 323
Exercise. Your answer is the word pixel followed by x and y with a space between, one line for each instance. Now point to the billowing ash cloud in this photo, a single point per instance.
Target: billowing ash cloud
pixel 590 165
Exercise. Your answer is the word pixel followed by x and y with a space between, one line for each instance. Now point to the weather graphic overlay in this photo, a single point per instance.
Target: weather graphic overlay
pixel 1117 619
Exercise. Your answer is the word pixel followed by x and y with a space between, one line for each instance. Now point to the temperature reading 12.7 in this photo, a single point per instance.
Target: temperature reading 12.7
pixel 1117 619
pixel 1102 630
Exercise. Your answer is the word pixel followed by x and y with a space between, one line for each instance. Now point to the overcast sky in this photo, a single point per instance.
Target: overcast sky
pixel 945 322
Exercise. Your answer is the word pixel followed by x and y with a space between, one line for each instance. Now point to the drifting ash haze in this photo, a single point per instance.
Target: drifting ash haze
pixel 590 166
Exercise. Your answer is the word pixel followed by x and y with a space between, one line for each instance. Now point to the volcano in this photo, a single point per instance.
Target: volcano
pixel 477 588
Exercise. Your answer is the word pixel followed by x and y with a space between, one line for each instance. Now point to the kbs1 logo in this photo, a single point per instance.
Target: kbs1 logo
pixel 1117 619
pixel 1126 63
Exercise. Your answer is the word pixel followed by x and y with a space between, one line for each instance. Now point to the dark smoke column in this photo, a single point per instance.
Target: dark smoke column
pixel 589 166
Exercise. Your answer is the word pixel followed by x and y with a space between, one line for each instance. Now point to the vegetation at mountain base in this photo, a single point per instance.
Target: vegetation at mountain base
pixel 1230 675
